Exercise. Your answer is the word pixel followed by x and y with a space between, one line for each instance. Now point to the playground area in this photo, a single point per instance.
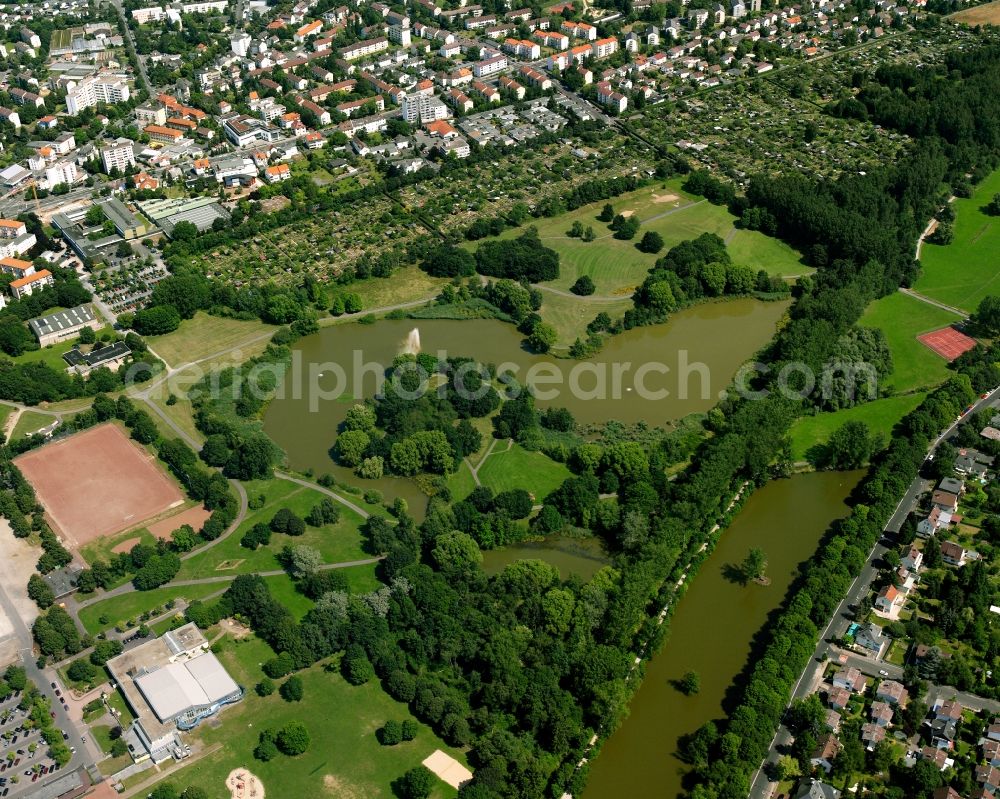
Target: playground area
pixel 244 785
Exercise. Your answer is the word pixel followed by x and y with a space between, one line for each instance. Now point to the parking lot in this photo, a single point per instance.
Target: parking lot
pixel 23 761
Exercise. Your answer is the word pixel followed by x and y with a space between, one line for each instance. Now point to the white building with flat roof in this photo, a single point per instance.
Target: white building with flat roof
pixel 171 683
pixel 108 89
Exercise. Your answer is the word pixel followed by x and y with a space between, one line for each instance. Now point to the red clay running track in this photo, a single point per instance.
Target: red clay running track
pixel 96 483
pixel 947 342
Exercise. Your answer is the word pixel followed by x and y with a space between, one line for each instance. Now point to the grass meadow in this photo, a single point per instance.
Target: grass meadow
pixel 344 759
pixel 902 319
pixel 880 416
pixel 963 272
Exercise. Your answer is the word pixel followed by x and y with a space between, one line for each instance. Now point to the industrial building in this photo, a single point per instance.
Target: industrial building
pixel 63 325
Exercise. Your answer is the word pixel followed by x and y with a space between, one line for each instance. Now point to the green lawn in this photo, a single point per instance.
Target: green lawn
pixel 344 758
pixel 5 412
pixel 461 482
pixel 880 416
pixel 965 271
pixel 571 315
pixel 132 605
pixel 337 543
pixel 406 284
pixel 902 319
pixel 617 267
pixel 516 467
pixel 205 335
pixel 100 549
pixel 29 422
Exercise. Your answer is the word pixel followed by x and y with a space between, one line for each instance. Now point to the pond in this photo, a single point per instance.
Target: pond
pixel 711 633
pixel 583 557
pixel 653 374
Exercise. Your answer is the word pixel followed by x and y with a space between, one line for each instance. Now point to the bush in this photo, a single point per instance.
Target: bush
pixel 584 286
pixel 81 670
pixel 651 242
pixel 417 783
pixel 292 690
pixel 293 738
pixel 265 687
pixel 391 733
pixel 39 591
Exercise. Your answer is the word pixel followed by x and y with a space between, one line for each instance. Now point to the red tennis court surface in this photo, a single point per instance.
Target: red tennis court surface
pixel 947 342
pixel 97 482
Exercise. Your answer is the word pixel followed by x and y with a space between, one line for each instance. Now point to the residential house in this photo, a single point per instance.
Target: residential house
pixel 881 714
pixel 912 559
pixel 953 554
pixel 947 709
pixel 838 698
pixel 991 752
pixel 25 286
pixel 814 789
pixel 849 678
pixel 952 484
pixel 832 720
pixel 277 173
pixel 889 600
pixel 939 757
pixel 988 777
pixel 610 98
pixel 826 751
pixel 936 520
pixel 945 500
pixel 872 734
pixel 892 692
pixel 871 638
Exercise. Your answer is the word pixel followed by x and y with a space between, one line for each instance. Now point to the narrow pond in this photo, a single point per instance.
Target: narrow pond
pixel 711 633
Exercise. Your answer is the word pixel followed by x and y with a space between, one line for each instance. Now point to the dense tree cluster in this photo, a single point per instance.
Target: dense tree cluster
pixel 523 259
pixel 691 271
pixel 428 433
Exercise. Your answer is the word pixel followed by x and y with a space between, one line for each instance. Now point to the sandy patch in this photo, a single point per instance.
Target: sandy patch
pixel 195 516
pixel 244 785
pixel 126 545
pixel 342 789
pixel 664 198
pixel 227 565
pixel 448 769
pixel 627 214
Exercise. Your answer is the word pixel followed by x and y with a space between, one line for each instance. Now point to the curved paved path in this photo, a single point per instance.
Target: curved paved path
pixel 317 487
pixel 128 588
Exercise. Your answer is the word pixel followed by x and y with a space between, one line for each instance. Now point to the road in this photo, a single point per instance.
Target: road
pixel 761 787
pixel 133 54
pixel 87 752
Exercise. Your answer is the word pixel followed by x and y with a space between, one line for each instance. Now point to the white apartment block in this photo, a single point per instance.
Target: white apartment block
pixel 61 172
pixel 489 66
pixel 361 49
pixel 422 108
pixel 89 92
pixel 400 35
pixel 120 153
pixel 158 13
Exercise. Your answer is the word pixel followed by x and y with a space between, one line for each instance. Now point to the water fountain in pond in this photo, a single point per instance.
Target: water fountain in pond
pixel 412 344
